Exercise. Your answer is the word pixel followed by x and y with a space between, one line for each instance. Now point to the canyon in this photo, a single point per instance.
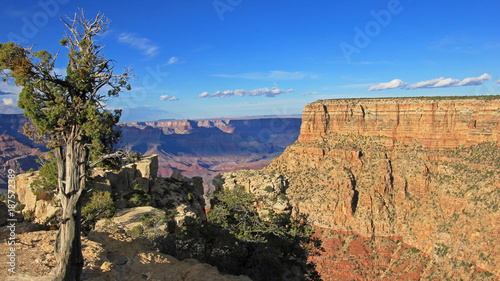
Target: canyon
pixel 208 147
pixel 194 147
pixel 421 172
pixel 397 188
pixel 17 151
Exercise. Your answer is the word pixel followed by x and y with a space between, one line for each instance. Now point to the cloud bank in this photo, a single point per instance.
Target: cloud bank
pixel 434 83
pixel 168 98
pixel 270 93
pixel 143 44
pixel 396 83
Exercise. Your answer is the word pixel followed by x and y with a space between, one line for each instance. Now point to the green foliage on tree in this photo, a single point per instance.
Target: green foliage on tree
pixel 46 181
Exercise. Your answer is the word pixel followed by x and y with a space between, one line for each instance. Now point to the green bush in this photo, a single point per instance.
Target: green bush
pixel 136 232
pixel 29 215
pixel 269 189
pixel 133 157
pixel 139 199
pixel 190 198
pixel 19 207
pixel 100 205
pixel 237 240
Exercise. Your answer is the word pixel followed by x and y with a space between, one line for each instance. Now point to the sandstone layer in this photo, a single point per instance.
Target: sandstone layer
pixel 433 122
pixel 423 169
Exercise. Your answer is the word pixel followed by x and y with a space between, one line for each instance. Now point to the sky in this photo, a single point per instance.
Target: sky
pixel 219 58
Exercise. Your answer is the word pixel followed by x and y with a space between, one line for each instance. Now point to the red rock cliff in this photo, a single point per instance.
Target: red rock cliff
pixel 436 123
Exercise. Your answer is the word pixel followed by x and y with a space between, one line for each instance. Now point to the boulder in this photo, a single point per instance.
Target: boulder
pixel 148 167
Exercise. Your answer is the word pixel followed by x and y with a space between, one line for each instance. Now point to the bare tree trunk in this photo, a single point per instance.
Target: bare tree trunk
pixel 68 249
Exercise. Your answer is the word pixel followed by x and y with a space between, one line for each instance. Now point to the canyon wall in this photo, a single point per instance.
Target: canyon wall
pixel 433 122
pixel 425 170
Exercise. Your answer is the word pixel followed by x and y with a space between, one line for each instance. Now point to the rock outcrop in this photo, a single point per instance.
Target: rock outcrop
pixel 424 169
pixel 269 189
pixel 177 192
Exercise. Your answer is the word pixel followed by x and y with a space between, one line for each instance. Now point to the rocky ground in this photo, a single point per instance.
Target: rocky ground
pixel 109 255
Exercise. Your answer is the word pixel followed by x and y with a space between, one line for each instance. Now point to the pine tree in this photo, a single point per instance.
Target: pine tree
pixel 68 114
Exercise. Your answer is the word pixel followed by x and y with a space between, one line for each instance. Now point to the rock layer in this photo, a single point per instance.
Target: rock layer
pixel 433 122
pixel 425 170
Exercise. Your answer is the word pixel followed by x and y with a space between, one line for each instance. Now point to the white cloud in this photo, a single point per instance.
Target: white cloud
pixel 203 95
pixel 474 81
pixel 9 89
pixel 168 98
pixel 396 83
pixel 172 60
pixel 310 93
pixel 8 101
pixel 450 82
pixel 498 81
pixel 241 93
pixel 274 75
pixel 143 44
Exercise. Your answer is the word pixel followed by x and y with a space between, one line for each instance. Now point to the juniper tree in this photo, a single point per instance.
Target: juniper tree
pixel 68 114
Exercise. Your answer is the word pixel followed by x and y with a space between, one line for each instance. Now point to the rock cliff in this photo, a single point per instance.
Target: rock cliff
pixel 423 169
pixel 433 122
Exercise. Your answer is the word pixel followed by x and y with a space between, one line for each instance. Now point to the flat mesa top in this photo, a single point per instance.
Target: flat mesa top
pixel 409 99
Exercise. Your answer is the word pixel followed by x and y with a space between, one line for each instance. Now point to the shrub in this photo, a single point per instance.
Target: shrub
pixel 139 199
pixel 136 232
pixel 29 215
pixel 100 205
pixel 19 207
pixel 238 241
pixel 269 189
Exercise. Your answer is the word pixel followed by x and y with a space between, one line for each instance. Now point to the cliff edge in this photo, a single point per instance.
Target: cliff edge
pixel 426 170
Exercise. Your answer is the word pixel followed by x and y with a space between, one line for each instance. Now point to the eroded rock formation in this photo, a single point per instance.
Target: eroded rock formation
pixel 424 169
pixel 178 192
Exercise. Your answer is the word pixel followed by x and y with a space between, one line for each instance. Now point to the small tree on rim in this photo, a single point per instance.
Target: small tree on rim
pixel 68 114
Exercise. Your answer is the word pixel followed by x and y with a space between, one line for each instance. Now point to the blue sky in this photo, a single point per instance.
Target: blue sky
pixel 206 58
